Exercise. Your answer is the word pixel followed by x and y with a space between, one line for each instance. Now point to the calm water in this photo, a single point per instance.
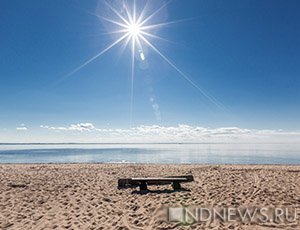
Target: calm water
pixel 154 153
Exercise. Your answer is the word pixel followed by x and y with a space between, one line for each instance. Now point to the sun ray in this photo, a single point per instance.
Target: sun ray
pixel 117 13
pixel 125 44
pixel 112 21
pixel 107 19
pixel 130 20
pixel 132 80
pixel 139 44
pixel 155 36
pixel 154 13
pixel 143 11
pixel 213 100
pixel 114 32
pixel 134 11
pixel 96 56
pixel 153 26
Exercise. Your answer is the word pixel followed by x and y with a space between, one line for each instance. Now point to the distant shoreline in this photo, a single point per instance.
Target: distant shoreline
pixel 150 143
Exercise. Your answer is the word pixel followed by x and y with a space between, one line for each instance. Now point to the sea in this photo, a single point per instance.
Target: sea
pixel 175 153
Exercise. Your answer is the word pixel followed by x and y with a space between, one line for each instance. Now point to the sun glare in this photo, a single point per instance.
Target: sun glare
pixel 134 29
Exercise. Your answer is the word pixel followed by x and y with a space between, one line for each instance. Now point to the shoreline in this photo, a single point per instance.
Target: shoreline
pixel 148 164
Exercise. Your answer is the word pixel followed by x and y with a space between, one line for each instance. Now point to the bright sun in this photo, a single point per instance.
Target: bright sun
pixel 134 29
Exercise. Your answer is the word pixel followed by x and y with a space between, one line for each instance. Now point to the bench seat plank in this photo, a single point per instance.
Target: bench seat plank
pixel 144 181
pixel 159 179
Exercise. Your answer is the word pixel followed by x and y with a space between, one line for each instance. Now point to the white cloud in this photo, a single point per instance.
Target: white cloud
pixel 53 128
pixel 82 127
pixel 72 127
pixel 21 128
pixel 179 133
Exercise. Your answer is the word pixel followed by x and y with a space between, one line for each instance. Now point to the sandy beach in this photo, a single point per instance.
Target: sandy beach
pixel 85 196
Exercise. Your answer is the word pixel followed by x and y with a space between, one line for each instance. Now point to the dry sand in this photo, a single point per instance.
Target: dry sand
pixel 85 196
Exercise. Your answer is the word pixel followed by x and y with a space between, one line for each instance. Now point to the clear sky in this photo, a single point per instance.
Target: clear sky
pixel 243 54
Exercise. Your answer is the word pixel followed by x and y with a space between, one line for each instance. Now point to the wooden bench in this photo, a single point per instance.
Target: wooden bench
pixel 144 182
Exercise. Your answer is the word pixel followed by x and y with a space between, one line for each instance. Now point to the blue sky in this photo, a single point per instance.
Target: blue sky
pixel 245 54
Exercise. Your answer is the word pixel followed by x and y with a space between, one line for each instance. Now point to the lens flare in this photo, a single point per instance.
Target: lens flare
pixel 135 28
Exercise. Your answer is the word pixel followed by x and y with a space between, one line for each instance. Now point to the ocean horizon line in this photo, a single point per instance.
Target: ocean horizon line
pixel 136 143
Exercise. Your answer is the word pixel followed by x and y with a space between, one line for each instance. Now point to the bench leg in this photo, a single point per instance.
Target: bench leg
pixel 176 185
pixel 143 186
